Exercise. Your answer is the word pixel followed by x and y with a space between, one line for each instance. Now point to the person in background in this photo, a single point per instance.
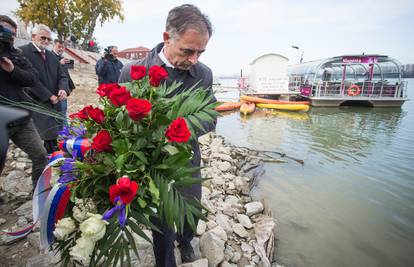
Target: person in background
pixel 109 67
pixel 185 39
pixel 58 50
pixel 52 79
pixel 16 73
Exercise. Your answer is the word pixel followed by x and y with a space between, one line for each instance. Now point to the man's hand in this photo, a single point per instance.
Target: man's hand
pixel 6 64
pixel 62 95
pixel 54 99
pixel 64 61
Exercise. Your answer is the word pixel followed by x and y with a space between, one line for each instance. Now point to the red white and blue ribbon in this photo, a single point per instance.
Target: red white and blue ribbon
pixel 43 186
pixel 54 210
pixel 41 193
pixel 80 144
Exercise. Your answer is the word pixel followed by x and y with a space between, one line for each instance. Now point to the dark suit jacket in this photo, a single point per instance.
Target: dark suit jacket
pixel 71 85
pixel 51 79
pixel 198 74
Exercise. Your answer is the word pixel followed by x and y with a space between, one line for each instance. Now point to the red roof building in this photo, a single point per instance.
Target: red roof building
pixel 134 53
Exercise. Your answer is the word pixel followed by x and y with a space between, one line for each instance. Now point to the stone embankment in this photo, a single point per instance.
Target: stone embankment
pixel 237 233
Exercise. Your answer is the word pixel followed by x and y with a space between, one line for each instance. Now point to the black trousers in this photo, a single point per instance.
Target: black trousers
pixel 164 242
pixel 50 146
pixel 26 137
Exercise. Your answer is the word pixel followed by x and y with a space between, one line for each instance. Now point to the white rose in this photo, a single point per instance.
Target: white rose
pixel 82 251
pixel 94 227
pixel 82 208
pixel 64 228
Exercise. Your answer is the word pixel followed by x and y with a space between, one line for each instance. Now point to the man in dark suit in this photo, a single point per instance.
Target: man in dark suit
pixel 58 50
pixel 185 39
pixel 52 79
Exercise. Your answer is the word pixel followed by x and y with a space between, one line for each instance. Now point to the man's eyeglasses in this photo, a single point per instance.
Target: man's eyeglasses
pixel 44 38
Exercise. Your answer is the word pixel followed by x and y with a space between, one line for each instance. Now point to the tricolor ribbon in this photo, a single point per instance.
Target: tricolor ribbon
pixel 78 144
pixel 43 198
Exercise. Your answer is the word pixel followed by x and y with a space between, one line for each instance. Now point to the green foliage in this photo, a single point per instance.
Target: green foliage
pixel 65 17
pixel 140 150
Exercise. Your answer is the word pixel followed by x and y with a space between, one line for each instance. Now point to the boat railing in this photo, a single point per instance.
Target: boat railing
pixel 350 88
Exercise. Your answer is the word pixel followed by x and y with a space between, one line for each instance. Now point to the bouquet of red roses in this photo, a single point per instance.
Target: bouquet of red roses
pixel 124 162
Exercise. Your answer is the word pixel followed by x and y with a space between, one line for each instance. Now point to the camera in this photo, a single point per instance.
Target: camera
pixel 107 53
pixel 6 40
pixel 70 64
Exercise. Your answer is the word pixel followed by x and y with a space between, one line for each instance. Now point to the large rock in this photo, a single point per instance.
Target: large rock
pixel 253 208
pixel 245 221
pixel 16 182
pixel 216 144
pixel 247 249
pixel 224 222
pixel 34 240
pixel 227 264
pixel 201 227
pixel 240 231
pixel 145 251
pixel 43 260
pixel 212 248
pixel 25 210
pixel 205 139
pixel 195 243
pixel 222 157
pixel 223 166
pixel 197 263
pixel 219 232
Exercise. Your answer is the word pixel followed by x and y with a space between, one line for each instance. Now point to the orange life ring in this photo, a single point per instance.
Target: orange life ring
pixel 353 90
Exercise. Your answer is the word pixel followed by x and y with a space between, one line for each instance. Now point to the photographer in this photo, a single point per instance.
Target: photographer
pixel 109 67
pixel 58 49
pixel 15 74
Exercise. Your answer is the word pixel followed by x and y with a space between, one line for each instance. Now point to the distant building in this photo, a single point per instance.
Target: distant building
pixel 134 53
pixel 408 71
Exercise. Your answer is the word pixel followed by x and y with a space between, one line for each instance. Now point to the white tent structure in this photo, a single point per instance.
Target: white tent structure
pixel 268 75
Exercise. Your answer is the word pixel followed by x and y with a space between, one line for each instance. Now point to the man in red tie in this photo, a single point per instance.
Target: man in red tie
pixel 52 81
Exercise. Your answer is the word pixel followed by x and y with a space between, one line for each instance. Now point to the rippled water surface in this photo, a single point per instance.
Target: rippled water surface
pixel 352 202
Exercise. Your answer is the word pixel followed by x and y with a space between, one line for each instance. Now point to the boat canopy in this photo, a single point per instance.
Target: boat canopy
pixel 356 67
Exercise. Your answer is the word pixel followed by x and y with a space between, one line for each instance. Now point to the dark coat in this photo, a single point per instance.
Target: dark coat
pixel 199 73
pixel 71 84
pixel 108 70
pixel 52 78
pixel 12 84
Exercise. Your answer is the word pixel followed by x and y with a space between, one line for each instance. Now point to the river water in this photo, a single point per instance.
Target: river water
pixel 352 202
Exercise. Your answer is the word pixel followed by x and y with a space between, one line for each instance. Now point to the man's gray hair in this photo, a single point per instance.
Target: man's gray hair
pixel 185 17
pixel 40 27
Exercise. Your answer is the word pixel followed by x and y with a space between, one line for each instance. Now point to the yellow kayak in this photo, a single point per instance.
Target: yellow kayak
pixel 247 108
pixel 292 107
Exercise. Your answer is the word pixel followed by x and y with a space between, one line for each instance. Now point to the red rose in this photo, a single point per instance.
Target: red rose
pixel 119 96
pixel 102 141
pixel 178 131
pixel 91 43
pixel 82 114
pixel 156 75
pixel 138 72
pixel 105 89
pixel 138 108
pixel 97 115
pixel 125 189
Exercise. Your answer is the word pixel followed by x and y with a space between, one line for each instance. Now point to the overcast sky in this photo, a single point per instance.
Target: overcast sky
pixel 246 29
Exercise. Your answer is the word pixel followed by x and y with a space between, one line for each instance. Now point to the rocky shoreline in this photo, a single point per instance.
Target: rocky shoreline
pixel 237 233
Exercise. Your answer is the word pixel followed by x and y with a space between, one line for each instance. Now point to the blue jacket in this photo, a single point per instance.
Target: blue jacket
pixel 108 71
